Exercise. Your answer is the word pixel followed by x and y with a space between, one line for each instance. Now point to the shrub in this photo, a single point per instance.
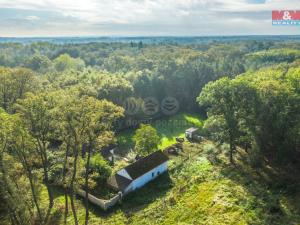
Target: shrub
pixel 99 166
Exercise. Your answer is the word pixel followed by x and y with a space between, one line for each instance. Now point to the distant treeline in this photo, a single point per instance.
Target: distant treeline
pixel 151 39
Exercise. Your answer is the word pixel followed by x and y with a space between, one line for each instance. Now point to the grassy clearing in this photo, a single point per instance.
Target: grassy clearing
pixel 203 188
pixel 168 129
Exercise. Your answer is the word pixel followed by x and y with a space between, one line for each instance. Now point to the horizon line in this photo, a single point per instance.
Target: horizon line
pixel 150 36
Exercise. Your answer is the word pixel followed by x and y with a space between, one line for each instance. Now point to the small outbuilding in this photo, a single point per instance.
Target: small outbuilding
pixel 108 152
pixel 191 132
pixel 139 173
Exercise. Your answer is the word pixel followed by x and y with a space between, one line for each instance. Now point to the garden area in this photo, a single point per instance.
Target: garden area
pixel 168 129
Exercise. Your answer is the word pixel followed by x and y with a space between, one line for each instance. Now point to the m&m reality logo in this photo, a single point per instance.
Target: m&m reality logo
pixel 286 17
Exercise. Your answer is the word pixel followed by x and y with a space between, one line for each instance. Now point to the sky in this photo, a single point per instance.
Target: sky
pixel 23 18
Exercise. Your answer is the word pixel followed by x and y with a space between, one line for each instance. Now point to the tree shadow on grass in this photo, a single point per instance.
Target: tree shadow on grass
pixel 56 216
pixel 151 192
pixel 268 185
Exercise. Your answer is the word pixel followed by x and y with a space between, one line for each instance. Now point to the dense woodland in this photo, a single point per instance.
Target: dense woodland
pixel 60 104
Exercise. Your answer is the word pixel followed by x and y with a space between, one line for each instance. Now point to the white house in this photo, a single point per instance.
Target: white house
pixel 139 173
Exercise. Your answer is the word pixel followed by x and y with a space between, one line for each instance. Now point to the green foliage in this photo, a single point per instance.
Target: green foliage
pixel 38 63
pixel 260 109
pixel 39 114
pixel 100 166
pixel 15 170
pixel 293 78
pixel 55 171
pixel 115 89
pixel 65 62
pixel 215 128
pixel 151 70
pixel 15 83
pixel 272 56
pixel 146 139
pixel 219 97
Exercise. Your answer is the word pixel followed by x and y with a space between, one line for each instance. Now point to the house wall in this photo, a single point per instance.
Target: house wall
pixel 128 189
pixel 141 181
pixel 191 135
pixel 188 134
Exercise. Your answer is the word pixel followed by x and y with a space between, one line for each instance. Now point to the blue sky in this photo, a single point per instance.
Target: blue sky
pixel 142 17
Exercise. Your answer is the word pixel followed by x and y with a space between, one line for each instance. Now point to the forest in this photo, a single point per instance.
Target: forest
pixel 61 103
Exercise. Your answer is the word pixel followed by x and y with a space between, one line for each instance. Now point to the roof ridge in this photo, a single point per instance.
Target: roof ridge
pixel 145 164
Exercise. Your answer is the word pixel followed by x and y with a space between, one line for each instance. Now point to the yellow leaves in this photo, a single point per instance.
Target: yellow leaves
pixel 6 128
pixel 14 83
pixel 293 78
pixel 277 55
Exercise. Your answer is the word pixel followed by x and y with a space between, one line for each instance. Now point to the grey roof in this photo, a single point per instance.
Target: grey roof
pixel 192 130
pixel 137 169
pixel 118 182
pixel 144 165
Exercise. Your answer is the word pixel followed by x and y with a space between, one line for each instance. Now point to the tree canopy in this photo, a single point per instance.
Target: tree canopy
pixel 146 139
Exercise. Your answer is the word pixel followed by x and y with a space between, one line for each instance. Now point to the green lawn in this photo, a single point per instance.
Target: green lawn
pixel 168 130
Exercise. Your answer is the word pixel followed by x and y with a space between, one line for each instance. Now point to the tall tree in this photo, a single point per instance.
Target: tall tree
pixel 23 147
pixel 37 111
pixel 10 189
pixel 218 98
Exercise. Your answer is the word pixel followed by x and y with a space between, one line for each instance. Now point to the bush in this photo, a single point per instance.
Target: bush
pixel 99 166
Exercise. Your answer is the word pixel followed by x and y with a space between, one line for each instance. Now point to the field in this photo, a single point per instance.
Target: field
pixel 201 187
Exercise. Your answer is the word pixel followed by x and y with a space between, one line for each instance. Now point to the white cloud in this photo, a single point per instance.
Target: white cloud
pixel 176 15
pixel 144 10
pixel 32 18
